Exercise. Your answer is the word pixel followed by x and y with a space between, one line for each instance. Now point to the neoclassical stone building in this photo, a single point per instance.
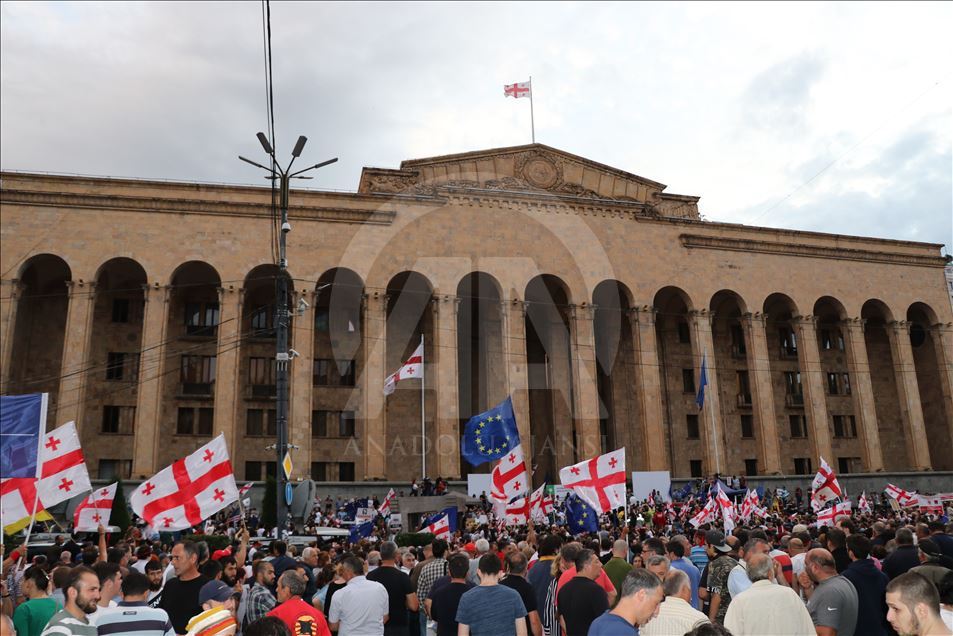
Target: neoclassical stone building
pixel 591 295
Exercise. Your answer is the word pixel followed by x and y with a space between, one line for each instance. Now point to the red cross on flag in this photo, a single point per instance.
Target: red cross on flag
pixel 706 514
pixel 903 497
pixel 95 509
pixel 830 516
pixel 541 504
pixel 862 504
pixel 517 90
pixel 518 511
pixel 930 503
pixel 824 488
pixel 440 528
pixel 727 510
pixel 63 473
pixel 384 509
pixel 189 491
pixel 509 478
pixel 599 481
pixel 413 368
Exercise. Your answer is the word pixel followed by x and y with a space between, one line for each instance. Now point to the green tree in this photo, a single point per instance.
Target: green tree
pixel 269 503
pixel 120 512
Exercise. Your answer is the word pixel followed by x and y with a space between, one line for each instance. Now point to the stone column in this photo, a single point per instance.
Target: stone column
pixel 585 382
pixel 228 383
pixel 79 320
pixel 302 382
pixel 372 384
pixel 648 387
pixel 942 335
pixel 152 364
pixel 10 292
pixel 517 378
pixel 446 435
pixel 710 420
pixel 815 395
pixel 911 411
pixel 863 392
pixel 761 386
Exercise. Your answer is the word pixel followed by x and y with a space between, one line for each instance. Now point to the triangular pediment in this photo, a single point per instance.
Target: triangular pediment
pixel 534 168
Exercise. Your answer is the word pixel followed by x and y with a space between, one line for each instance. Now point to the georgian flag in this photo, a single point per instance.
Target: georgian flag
pixel 509 478
pixel 830 516
pixel 727 510
pixel 517 90
pixel 824 488
pixel 63 473
pixel 903 497
pixel 384 510
pixel 930 504
pixel 541 504
pixel 706 514
pixel 751 506
pixel 518 511
pixel 862 504
pixel 599 481
pixel 440 528
pixel 189 491
pixel 413 368
pixel 95 509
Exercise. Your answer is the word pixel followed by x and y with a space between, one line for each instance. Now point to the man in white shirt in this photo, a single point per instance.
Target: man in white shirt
pixel 676 615
pixel 110 585
pixel 360 607
pixel 766 608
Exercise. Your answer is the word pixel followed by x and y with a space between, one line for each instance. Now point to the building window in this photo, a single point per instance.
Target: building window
pixel 198 375
pixel 186 421
pixel 263 322
pixel 319 423
pixel 322 322
pixel 832 383
pixel 120 310
pixel 122 366
pixel 261 423
pixel 113 469
pixel 751 467
pixel 798 429
pixel 695 467
pixel 346 471
pixel 195 421
pixel 845 383
pixel 688 380
pixel 847 464
pixel 346 373
pixel 802 466
pixel 252 471
pixel 346 424
pixel 329 372
pixel 747 426
pixel 744 389
pixel 845 426
pixel 271 470
pixel 738 348
pixel 320 373
pixel 788 342
pixel 201 319
pixel 684 335
pixel 118 420
pixel 262 376
pixel 794 394
pixel 319 471
pixel 691 422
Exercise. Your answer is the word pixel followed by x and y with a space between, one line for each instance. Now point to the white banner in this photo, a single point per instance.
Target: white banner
pixel 644 482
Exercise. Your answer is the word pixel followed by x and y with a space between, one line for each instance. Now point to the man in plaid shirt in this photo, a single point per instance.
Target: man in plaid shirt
pixel 260 599
pixel 432 571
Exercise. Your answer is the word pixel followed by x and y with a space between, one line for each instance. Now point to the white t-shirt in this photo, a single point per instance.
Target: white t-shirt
pixel 101 611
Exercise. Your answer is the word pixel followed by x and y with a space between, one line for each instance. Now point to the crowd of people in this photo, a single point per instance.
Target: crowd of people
pixel 645 571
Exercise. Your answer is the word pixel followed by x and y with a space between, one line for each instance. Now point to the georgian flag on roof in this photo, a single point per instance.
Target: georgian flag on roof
pixel 95 509
pixel 63 473
pixel 599 481
pixel 413 368
pixel 517 90
pixel 824 488
pixel 189 491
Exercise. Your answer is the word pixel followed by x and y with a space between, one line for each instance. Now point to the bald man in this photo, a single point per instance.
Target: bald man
pixel 832 599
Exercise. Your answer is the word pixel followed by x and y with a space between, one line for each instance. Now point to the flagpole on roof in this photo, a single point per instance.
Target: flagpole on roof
pixel 532 120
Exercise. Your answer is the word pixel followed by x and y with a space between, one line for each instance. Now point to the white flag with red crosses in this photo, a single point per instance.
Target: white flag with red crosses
pixel 189 491
pixel 599 481
pixel 63 473
pixel 95 509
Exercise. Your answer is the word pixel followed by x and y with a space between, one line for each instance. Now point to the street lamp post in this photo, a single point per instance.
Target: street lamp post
pixel 283 354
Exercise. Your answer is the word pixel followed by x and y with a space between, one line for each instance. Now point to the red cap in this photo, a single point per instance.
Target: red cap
pixel 219 554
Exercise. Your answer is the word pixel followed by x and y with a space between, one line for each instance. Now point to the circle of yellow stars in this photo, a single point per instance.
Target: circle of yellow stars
pixel 487 449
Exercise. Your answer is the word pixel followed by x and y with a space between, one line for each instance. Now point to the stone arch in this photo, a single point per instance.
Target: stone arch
pixel 879 336
pixel 875 309
pixel 39 329
pixel 935 401
pixel 615 365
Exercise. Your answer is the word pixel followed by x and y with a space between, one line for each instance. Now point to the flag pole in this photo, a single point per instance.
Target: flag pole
pixel 532 119
pixel 711 412
pixel 36 497
pixel 423 419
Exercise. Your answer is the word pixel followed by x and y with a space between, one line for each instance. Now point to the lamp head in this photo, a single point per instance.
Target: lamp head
pixel 264 143
pixel 299 146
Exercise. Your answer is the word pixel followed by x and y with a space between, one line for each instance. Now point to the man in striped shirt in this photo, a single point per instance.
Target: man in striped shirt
pixel 133 615
pixel 82 593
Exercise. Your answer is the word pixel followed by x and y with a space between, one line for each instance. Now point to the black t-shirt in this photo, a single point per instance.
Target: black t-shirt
pixel 581 601
pixel 398 586
pixel 526 593
pixel 180 600
pixel 443 608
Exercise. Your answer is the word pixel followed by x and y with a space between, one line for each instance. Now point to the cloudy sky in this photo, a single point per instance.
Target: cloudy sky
pixel 824 116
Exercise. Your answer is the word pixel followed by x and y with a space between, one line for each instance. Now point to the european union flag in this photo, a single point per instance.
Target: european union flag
pixel 361 531
pixel 580 516
pixel 450 512
pixel 702 383
pixel 490 435
pixel 22 420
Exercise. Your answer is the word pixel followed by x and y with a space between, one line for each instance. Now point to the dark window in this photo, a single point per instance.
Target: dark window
pixel 738 347
pixel 110 419
pixel 320 374
pixel 262 376
pixel 832 384
pixel 788 342
pixel 252 471
pixel 843 465
pixel 321 320
pixel 198 374
pixel 120 310
pixel 751 467
pixel 845 426
pixel 688 380
pixel 346 471
pixel 845 382
pixel 115 362
pixel 346 424
pixel 827 341
pixel 744 389
pixel 186 421
pixel 254 423
pixel 695 466
pixel 263 322
pixel 206 419
pixel 918 335
pixel 113 469
pixel 319 423
pixel 792 388
pixel 691 421
pixel 802 466
pixel 747 426
pixel 346 373
pixel 798 430
pixel 201 319
pixel 684 335
pixel 271 469
pixel 319 471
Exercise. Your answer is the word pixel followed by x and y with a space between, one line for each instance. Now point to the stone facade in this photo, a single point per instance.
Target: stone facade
pixel 588 294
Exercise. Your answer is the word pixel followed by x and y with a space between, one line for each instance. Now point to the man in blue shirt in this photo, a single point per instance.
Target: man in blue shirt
pixel 638 604
pixel 491 609
pixel 676 554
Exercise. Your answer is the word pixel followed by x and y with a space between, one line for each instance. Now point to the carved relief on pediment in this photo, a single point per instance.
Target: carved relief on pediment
pixel 577 191
pixel 539 170
pixel 390 184
pixel 507 183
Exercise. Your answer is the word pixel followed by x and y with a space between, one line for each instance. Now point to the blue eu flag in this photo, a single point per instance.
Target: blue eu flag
pixel 490 435
pixel 21 420
pixel 580 516
pixel 361 531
